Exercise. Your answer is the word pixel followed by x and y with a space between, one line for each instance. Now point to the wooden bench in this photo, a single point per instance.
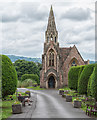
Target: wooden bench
pixel 91 109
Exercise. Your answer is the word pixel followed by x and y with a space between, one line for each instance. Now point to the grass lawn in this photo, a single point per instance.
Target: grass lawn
pixel 36 88
pixel 6 106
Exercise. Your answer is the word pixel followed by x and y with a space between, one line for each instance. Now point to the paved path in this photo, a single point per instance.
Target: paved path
pixel 51 105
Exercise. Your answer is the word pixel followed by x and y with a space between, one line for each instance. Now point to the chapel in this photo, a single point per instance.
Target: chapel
pixel 56 61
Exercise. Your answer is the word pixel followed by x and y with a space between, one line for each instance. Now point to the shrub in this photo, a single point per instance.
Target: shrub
pixel 73 77
pixel 30 76
pixel 0 76
pixel 27 92
pixel 25 83
pixel 84 77
pixel 9 77
pixel 81 69
pixel 89 85
pixel 94 83
pixel 19 85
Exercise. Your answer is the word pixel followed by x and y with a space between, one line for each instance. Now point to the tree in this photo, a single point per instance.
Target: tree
pixel 9 76
pixel 39 66
pixel 25 67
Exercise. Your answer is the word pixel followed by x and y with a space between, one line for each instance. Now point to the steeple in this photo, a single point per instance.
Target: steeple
pixel 51 20
pixel 51 32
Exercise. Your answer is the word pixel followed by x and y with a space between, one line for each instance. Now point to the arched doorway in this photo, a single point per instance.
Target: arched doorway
pixel 51 82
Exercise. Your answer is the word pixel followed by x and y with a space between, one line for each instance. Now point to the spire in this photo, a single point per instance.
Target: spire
pixel 51 20
pixel 51 32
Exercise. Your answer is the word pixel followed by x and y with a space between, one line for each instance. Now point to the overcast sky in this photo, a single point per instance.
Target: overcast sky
pixel 23 25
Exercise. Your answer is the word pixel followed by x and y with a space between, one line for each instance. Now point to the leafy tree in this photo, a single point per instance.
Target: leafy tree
pixel 25 67
pixel 39 65
pixel 9 76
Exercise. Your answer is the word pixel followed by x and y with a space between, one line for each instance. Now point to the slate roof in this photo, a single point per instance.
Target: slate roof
pixel 64 52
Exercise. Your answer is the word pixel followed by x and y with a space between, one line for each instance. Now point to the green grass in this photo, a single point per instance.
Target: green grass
pixel 36 88
pixel 7 105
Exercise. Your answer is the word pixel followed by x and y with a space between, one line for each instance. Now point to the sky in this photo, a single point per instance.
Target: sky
pixel 23 24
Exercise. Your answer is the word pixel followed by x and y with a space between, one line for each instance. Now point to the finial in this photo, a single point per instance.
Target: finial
pixel 51 7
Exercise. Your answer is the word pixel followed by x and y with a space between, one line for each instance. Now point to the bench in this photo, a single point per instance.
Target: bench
pixel 22 99
pixel 91 109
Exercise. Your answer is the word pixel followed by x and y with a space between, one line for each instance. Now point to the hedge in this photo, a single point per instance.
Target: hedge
pixel 9 76
pixel 89 85
pixel 81 69
pixel 94 83
pixel 73 77
pixel 30 76
pixel 84 77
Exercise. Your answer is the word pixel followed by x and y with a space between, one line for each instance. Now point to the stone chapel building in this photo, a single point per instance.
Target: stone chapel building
pixel 57 61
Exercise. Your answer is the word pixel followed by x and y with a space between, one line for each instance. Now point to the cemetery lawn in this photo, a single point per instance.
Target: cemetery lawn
pixel 6 106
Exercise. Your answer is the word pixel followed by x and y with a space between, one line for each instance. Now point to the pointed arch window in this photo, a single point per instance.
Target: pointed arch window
pixel 51 37
pixel 47 39
pixel 73 63
pixel 51 58
pixel 55 39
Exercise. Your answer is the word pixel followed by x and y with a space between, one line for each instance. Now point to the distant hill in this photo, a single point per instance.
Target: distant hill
pixel 91 62
pixel 14 58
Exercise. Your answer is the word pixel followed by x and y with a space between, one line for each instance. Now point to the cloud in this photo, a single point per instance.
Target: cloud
pixel 77 14
pixel 24 13
pixel 24 26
